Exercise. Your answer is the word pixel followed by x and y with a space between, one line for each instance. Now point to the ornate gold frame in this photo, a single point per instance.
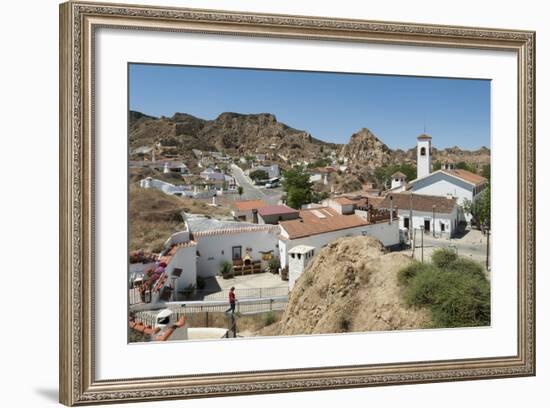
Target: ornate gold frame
pixel 78 20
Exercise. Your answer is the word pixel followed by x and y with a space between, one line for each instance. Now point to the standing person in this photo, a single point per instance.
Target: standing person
pixel 232 300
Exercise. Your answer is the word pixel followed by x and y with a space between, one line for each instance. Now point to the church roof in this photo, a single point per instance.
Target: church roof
pixel 464 175
pixel 467 176
pixel 424 136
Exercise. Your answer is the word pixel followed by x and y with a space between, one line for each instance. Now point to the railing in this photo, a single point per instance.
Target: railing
pixel 223 295
pixel 243 306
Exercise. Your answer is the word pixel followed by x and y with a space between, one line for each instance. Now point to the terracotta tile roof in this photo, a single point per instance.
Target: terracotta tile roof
pixel 276 210
pixel 420 202
pixel 319 221
pixel 398 175
pixel 249 205
pixel 424 136
pixel 343 200
pixel 466 175
pixel 166 258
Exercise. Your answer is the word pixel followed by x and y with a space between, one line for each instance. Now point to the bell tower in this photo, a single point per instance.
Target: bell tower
pixel 423 155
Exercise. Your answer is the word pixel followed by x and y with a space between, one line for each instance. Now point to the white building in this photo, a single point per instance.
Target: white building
pixel 183 190
pixel 398 182
pixel 247 210
pixel 206 243
pixel 212 175
pixel 446 182
pixel 271 170
pixel 318 226
pixel 436 215
pixel 462 184
pixel 423 155
pixel 299 258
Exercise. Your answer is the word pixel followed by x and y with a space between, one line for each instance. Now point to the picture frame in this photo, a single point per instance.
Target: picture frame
pixel 79 22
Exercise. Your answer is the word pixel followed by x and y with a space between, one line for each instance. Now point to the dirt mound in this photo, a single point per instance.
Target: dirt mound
pixel 350 286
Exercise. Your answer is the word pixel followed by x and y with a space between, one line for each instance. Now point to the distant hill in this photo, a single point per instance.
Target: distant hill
pixel 243 134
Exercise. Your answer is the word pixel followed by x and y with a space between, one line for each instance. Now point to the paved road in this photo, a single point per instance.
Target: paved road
pixel 252 192
pixel 472 245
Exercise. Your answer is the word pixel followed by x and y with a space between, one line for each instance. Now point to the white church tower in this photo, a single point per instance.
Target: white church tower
pixel 423 155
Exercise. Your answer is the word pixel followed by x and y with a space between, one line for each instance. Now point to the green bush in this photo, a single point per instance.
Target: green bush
pixel 457 296
pixel 269 318
pixel 408 272
pixel 443 257
pixel 466 266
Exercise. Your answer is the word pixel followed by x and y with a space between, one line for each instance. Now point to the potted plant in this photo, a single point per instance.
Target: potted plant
pixel 226 269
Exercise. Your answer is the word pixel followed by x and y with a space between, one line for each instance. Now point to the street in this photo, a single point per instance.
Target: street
pixel 473 245
pixel 252 192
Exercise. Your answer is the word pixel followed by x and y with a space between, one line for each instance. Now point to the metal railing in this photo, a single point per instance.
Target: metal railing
pixel 244 306
pixel 223 295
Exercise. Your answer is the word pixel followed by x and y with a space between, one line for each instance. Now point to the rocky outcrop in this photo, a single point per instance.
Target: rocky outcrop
pixel 350 286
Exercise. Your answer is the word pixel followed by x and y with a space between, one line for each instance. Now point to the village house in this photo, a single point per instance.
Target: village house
pixel 273 214
pixel 212 175
pixel 247 210
pixel 183 190
pixel 436 215
pixel 317 227
pixel 200 249
pixel 272 170
pixel 321 174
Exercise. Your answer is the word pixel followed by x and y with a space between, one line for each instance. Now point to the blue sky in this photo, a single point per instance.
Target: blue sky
pixel 330 106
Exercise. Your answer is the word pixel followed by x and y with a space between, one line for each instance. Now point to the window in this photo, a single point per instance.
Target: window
pixel 422 151
pixel 406 222
pixel 236 253
pixel 442 227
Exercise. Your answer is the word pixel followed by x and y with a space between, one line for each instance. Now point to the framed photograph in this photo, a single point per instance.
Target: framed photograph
pixel 256 203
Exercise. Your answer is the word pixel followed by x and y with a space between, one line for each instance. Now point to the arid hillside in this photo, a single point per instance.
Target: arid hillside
pixel 350 286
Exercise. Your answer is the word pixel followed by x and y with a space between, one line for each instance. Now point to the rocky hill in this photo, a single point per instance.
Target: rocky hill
pixel 242 134
pixel 364 147
pixel 350 286
pixel 229 132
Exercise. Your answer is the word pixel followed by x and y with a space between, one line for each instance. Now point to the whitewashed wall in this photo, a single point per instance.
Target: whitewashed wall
pixel 214 249
pixel 449 220
pixel 440 184
pixel 385 232
pixel 186 259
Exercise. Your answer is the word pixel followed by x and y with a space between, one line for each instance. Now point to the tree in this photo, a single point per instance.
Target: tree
pixel 240 190
pixel 383 174
pixel 297 187
pixel 465 166
pixel 482 207
pixel 486 171
pixel 436 166
pixel 297 197
pixel 259 175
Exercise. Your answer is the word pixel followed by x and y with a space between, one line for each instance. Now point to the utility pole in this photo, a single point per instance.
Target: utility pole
pixel 433 220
